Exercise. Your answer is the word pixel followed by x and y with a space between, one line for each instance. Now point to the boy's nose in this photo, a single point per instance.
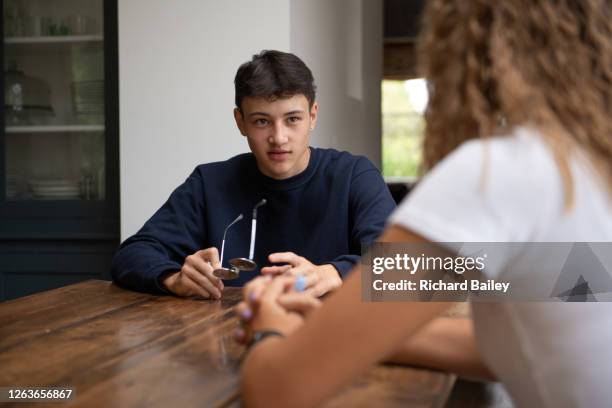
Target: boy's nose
pixel 278 136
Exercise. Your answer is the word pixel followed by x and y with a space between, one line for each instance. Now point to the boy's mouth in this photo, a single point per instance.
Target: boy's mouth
pixel 278 155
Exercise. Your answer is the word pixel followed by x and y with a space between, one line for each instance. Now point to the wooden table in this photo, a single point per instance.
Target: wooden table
pixel 118 348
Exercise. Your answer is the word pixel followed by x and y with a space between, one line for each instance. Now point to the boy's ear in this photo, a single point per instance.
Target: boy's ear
pixel 239 121
pixel 314 113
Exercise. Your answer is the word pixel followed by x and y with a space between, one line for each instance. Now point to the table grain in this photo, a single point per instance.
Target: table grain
pixel 119 348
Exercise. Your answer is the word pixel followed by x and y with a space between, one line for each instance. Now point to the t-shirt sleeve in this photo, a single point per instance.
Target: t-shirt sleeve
pixel 176 230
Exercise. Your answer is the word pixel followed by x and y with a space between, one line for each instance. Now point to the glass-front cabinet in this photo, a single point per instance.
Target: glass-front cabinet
pixel 59 144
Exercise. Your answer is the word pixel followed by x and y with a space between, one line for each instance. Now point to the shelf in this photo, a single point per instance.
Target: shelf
pixel 56 39
pixel 54 128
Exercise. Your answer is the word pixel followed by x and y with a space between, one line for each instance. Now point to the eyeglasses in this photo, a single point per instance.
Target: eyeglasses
pixel 239 264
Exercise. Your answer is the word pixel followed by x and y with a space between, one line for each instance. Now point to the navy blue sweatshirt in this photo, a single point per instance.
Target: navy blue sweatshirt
pixel 324 214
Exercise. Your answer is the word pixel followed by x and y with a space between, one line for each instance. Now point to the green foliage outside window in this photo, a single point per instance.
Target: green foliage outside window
pixel 403 128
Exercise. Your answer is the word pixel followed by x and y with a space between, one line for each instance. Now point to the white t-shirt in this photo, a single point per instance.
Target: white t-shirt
pixel 546 354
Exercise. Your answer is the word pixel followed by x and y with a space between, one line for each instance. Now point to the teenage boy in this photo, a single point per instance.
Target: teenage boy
pixel 321 204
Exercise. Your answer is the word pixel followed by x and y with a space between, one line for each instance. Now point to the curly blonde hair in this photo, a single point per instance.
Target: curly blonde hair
pixel 503 63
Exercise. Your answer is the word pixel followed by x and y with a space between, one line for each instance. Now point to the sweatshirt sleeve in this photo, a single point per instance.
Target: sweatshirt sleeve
pixel 370 203
pixel 176 230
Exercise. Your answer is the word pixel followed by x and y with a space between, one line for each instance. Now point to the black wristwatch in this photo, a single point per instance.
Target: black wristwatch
pixel 262 334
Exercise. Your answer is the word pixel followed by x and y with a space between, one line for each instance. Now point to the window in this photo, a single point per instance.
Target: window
pixel 403 104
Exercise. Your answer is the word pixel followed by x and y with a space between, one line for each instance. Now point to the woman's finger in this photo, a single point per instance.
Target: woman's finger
pixel 253 290
pixel 240 336
pixel 277 287
pixel 244 311
pixel 301 303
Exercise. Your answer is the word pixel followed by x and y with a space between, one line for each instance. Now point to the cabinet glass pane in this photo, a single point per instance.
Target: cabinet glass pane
pixel 54 99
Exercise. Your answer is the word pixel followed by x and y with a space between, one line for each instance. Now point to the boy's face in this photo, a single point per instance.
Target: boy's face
pixel 278 132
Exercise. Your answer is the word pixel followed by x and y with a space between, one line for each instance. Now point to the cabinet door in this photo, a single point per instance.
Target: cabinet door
pixel 59 145
pixel 59 201
pixel 31 266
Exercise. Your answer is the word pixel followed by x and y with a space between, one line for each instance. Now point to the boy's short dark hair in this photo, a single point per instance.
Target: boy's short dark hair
pixel 274 74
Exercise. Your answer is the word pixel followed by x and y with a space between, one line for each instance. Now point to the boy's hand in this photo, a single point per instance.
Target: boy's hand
pixel 196 276
pixel 320 279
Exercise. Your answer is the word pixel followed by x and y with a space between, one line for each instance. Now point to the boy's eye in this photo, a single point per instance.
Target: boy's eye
pixel 293 119
pixel 261 122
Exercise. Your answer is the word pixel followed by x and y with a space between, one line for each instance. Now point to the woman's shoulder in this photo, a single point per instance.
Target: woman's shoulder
pixel 519 145
pixel 519 160
pixel 486 189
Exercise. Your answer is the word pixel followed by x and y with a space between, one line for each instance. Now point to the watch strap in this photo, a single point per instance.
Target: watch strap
pixel 262 334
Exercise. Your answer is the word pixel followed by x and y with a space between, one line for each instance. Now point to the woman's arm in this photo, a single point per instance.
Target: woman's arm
pixel 337 343
pixel 446 344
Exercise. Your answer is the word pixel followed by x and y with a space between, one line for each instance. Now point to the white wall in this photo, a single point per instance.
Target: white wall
pixel 177 62
pixel 342 42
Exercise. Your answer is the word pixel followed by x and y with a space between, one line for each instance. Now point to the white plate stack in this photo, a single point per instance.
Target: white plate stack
pixel 54 189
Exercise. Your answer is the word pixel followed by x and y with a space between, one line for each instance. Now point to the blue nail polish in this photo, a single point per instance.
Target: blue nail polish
pixel 252 296
pixel 300 283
